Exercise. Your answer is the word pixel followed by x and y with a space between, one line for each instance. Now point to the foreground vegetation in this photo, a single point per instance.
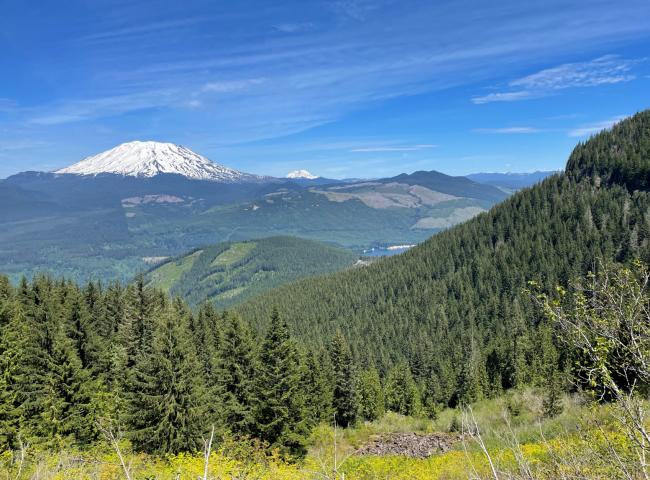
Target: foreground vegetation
pixel 519 441
pixel 264 423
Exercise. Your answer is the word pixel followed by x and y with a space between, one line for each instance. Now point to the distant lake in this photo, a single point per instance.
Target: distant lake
pixel 386 251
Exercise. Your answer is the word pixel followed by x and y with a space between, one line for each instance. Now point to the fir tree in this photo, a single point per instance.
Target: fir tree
pixel 371 396
pixel 236 373
pixel 402 394
pixel 317 383
pixel 345 392
pixel 167 396
pixel 280 414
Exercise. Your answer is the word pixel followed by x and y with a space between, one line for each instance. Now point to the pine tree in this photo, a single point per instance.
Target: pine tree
pixel 280 414
pixel 472 381
pixel 236 374
pixel 371 396
pixel 318 387
pixel 166 395
pixel 80 331
pixel 206 327
pixel 138 329
pixel 402 394
pixel 8 418
pixel 67 406
pixel 345 392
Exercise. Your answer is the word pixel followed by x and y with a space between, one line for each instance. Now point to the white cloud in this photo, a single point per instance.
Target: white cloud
pixel 508 130
pixel 79 110
pixel 294 27
pixel 593 128
pixel 231 85
pixel 7 105
pixel 318 76
pixel 502 97
pixel 396 148
pixel 606 70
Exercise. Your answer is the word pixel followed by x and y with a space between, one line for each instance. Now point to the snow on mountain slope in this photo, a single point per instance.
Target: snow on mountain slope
pixel 301 174
pixel 148 159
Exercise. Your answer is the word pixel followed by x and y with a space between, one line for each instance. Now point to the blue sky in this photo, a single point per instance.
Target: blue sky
pixel 343 88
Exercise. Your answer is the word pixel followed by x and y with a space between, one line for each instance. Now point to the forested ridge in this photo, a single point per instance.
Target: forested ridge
pixel 459 297
pixel 228 273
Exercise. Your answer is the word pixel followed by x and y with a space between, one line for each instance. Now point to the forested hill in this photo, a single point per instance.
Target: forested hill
pixel 454 306
pixel 228 273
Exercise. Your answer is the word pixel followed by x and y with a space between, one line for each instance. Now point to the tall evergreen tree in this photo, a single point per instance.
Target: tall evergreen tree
pixel 280 414
pixel 166 395
pixel 139 319
pixel 318 386
pixel 371 395
pixel 236 373
pixel 402 394
pixel 345 391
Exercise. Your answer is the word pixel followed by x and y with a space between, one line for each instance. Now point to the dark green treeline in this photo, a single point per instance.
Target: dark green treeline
pixel 72 358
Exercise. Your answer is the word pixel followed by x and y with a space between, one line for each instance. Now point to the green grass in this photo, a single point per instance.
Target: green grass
pixel 568 442
pixel 166 276
pixel 235 253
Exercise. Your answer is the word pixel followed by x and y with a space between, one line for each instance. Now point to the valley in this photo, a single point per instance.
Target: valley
pixel 104 217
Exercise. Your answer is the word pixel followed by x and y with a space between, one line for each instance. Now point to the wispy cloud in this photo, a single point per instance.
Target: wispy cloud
pixel 502 97
pixel 294 27
pixel 233 78
pixel 606 70
pixel 508 130
pixel 85 109
pixel 13 145
pixel 593 128
pixel 7 105
pixel 148 28
pixel 394 148
pixel 231 85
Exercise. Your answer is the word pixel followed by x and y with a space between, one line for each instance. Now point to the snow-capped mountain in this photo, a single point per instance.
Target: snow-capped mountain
pixel 302 174
pixel 148 159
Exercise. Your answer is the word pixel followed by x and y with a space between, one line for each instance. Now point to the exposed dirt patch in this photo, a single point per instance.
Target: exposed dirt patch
pixel 409 444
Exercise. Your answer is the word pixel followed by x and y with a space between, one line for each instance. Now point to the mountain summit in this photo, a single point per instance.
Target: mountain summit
pixel 148 159
pixel 304 174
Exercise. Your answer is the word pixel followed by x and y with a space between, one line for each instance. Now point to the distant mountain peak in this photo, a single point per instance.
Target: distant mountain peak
pixel 148 159
pixel 302 174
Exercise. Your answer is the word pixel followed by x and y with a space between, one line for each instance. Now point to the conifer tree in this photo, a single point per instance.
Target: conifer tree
pixel 344 374
pixel 371 396
pixel 318 387
pixel 166 395
pixel 8 417
pixel 138 331
pixel 206 327
pixel 472 381
pixel 402 394
pixel 280 415
pixel 67 405
pixel 81 332
pixel 236 374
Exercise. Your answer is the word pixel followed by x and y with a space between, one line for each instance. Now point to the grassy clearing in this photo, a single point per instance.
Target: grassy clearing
pixel 168 274
pixel 519 440
pixel 235 253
